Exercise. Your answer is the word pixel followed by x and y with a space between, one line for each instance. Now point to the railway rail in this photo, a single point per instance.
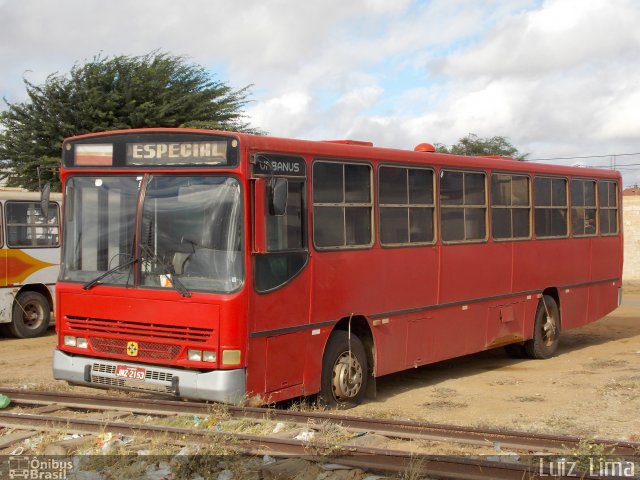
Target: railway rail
pixel 373 458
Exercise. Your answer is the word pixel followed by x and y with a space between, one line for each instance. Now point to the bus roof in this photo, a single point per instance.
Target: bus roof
pixel 363 150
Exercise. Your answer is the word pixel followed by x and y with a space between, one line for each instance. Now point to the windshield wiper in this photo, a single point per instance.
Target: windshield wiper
pixel 175 283
pixel 95 281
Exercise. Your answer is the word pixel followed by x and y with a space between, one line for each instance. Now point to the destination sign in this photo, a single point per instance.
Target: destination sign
pixel 177 153
pixel 280 165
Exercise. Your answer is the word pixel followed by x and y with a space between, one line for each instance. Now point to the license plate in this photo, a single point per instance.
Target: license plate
pixel 135 373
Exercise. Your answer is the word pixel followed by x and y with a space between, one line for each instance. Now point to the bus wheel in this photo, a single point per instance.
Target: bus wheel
pixel 546 333
pixel 344 371
pixel 31 314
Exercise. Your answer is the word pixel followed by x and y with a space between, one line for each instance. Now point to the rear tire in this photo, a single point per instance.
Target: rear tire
pixel 344 371
pixel 30 316
pixel 546 330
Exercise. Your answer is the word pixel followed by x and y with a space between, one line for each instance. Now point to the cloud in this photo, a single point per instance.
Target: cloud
pixel 558 77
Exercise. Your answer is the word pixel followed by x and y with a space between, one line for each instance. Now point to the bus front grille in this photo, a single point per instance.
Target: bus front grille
pixel 146 350
pixel 177 333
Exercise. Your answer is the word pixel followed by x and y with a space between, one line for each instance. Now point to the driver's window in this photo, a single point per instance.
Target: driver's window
pixel 286 232
pixel 286 242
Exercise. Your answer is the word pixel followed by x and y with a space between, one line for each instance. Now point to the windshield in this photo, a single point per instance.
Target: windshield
pixel 190 233
pixel 99 226
pixel 191 229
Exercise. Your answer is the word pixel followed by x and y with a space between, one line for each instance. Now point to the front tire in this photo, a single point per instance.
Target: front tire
pixel 344 371
pixel 30 316
pixel 546 331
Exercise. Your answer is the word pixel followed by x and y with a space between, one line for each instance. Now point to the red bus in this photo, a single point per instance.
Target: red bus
pixel 213 265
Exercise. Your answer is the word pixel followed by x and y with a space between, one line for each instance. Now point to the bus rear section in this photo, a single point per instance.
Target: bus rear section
pixel 29 263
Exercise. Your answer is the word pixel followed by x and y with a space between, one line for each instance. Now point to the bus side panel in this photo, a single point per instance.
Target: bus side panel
pixel 3 267
pixel 474 272
pixel 603 300
pixel 377 282
pixel 6 299
pixel 256 365
pixel 573 294
pixel 505 324
pixel 412 340
pixel 547 263
pixel 284 364
pixel 607 252
pixel 574 304
pixel 315 343
pixel 32 265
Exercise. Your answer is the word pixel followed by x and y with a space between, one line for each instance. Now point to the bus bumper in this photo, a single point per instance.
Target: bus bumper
pixel 228 386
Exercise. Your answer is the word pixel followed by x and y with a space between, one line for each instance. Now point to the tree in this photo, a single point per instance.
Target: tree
pixel 111 93
pixel 474 145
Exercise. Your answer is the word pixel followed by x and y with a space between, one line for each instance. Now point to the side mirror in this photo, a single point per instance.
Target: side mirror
pixel 278 196
pixel 45 195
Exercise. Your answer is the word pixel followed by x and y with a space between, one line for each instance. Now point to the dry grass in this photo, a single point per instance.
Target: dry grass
pixel 444 404
pixel 606 363
pixel 528 398
pixel 506 381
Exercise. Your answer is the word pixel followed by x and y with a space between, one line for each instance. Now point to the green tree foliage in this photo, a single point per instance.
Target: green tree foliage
pixel 474 145
pixel 112 93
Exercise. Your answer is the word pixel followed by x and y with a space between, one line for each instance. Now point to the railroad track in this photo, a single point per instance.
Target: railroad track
pixel 372 458
pixel 403 429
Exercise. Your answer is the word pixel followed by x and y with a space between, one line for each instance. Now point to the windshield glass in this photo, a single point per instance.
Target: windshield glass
pixel 191 233
pixel 99 225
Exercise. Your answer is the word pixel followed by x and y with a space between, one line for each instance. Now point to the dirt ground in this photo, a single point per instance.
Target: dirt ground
pixel 591 388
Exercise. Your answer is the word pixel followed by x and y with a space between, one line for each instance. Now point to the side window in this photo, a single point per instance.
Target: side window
pixel 406 205
pixel 286 241
pixel 463 206
pixel 286 232
pixel 28 227
pixel 510 207
pixel 342 205
pixel 583 207
pixel 550 205
pixel 608 198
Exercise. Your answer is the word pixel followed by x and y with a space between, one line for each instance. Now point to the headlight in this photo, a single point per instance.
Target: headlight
pixel 194 355
pixel 209 356
pixel 69 341
pixel 82 343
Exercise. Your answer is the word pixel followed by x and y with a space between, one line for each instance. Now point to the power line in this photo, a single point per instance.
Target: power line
pixel 580 157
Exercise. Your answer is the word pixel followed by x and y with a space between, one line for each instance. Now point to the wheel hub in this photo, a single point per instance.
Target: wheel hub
pixel 33 315
pixel 549 330
pixel 347 377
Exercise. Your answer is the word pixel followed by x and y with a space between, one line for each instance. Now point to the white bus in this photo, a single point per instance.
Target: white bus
pixel 29 262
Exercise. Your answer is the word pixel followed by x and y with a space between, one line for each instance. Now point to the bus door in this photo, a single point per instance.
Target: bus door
pixel 279 310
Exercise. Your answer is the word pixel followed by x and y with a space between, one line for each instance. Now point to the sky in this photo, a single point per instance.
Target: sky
pixel 558 78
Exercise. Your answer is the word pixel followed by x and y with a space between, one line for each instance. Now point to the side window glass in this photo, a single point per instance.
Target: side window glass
pixel 286 240
pixel 550 206
pixel 608 201
pixel 463 206
pixel 510 207
pixel 28 227
pixel 342 205
pixel 583 207
pixel 406 205
pixel 286 232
